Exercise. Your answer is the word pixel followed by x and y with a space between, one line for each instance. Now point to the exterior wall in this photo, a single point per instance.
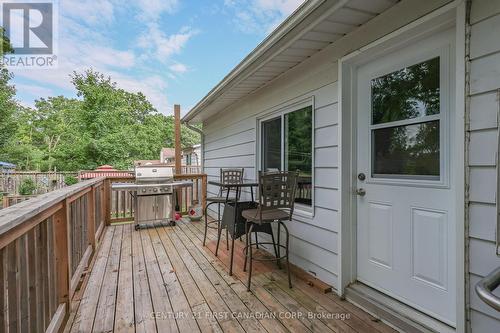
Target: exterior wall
pixel 483 151
pixel 230 141
pixel 230 137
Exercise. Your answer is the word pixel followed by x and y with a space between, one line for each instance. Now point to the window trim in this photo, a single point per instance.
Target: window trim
pixel 301 209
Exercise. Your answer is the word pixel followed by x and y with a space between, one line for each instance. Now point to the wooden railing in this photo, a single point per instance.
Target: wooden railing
pixel 121 203
pixel 189 196
pixel 191 169
pixel 45 244
pixel 9 200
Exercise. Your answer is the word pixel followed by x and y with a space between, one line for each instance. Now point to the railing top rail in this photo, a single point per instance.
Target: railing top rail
pixel 16 215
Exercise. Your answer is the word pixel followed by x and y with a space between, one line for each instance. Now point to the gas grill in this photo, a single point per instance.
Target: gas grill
pixel 154 195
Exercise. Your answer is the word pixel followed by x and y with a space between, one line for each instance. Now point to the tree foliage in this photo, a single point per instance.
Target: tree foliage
pixel 105 125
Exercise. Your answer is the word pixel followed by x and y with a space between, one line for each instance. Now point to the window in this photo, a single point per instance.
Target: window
pixel 405 122
pixel 286 143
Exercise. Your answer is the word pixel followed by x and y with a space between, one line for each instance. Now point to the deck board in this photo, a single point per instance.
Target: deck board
pixel 165 280
pixel 124 314
pixel 143 305
pixel 107 298
pixel 86 313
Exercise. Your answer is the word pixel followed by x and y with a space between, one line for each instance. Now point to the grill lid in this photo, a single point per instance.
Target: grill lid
pixel 148 173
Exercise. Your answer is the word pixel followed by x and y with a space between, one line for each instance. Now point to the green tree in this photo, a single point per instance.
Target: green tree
pixel 7 93
pixel 8 108
pixel 106 125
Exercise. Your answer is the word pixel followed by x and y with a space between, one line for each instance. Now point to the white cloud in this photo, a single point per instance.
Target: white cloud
pixel 178 68
pixel 34 90
pixel 161 46
pixel 106 56
pixel 260 16
pixel 91 12
pixel 84 43
pixel 151 10
pixel 284 7
pixel 81 52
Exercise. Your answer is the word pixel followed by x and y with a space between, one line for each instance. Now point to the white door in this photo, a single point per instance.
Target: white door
pixel 405 196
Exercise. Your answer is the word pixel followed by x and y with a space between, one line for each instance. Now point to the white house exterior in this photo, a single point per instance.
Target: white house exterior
pixel 409 238
pixel 191 155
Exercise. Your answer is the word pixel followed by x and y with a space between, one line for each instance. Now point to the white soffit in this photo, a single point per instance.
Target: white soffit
pixel 312 27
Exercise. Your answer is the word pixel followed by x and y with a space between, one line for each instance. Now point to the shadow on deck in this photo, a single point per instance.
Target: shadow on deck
pixel 164 280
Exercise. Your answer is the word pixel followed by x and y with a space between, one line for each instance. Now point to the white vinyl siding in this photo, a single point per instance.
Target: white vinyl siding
pixel 483 151
pixel 230 141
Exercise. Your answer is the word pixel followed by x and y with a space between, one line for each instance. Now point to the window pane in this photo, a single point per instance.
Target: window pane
pixel 271 145
pixel 411 150
pixel 405 94
pixel 298 150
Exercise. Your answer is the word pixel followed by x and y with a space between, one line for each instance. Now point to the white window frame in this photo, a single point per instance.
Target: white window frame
pixel 280 112
pixel 444 67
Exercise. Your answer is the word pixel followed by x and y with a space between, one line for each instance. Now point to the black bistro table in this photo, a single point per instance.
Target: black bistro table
pixel 231 218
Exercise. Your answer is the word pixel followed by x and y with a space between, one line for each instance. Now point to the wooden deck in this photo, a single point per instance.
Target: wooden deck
pixel 164 280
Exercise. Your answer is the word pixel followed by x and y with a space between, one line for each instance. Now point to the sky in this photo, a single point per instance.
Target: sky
pixel 173 51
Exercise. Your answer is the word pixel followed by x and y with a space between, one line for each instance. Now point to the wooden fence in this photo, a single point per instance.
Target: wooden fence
pixel 45 181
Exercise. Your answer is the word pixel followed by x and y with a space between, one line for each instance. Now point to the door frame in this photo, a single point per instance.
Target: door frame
pixel 448 16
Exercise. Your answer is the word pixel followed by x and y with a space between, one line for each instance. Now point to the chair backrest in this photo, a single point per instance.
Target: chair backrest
pixel 230 176
pixel 277 190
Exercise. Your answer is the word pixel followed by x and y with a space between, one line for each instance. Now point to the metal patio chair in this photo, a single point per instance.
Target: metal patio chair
pixel 277 192
pixel 227 176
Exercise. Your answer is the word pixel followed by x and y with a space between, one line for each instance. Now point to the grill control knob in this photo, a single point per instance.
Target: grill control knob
pixel 155 190
pixel 143 190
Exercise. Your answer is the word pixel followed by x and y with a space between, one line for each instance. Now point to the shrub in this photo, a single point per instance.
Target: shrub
pixel 70 180
pixel 28 187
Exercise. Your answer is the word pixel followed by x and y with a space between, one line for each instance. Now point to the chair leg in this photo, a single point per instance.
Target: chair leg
pixel 287 255
pixel 246 247
pixel 219 229
pixel 278 247
pixel 275 247
pixel 231 255
pixel 227 239
pixel 206 226
pixel 257 240
pixel 251 259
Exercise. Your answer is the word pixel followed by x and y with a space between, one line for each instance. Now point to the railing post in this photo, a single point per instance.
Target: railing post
pixel 91 218
pixel 60 221
pixel 204 191
pixel 107 202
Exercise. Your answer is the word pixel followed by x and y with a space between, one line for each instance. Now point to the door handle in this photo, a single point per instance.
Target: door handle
pixel 361 192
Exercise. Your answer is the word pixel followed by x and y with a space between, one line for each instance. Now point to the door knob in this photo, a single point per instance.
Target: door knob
pixel 361 192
